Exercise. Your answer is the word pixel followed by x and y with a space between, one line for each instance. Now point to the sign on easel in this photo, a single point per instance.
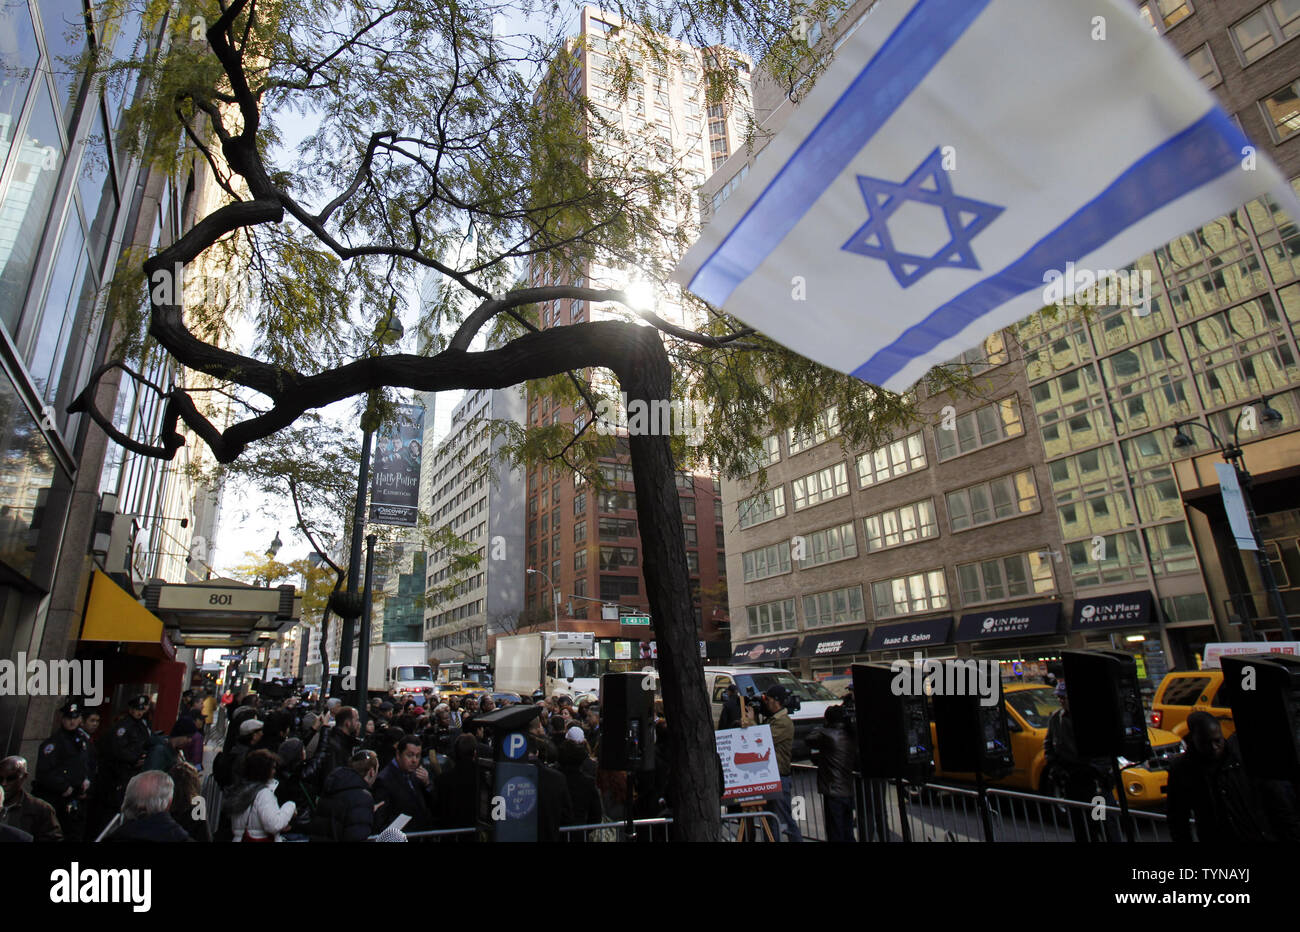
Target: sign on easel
pixel 748 758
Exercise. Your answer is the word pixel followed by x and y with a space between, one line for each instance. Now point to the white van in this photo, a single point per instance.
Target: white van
pixel 754 681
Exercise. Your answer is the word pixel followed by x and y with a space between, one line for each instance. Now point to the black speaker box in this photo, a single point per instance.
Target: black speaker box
pixel 973 737
pixel 1267 717
pixel 626 722
pixel 1106 704
pixel 893 730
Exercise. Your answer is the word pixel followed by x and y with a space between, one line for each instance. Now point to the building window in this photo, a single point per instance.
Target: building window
pixel 979 428
pixel 1265 29
pixel 579 531
pixel 761 507
pixel 580 561
pixel 825 426
pixel 693 562
pixel 904 525
pixel 989 354
pixel 1013 577
pixel 821 486
pixel 1004 497
pixel 614 588
pixel 907 595
pixel 1162 15
pixel 688 508
pixel 614 528
pixel 827 546
pixel 1282 111
pixel 766 561
pixel 892 460
pixel 1202 64
pixel 615 558
pixel 839 607
pixel 692 536
pixel 772 617
pixel 764 455
pixel 580 503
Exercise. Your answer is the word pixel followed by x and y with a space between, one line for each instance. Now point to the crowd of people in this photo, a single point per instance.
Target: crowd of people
pixel 297 769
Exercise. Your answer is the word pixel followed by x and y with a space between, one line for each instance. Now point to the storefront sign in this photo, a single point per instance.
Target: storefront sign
pixel 830 645
pixel 1123 610
pixel 909 634
pixel 764 651
pixel 1021 621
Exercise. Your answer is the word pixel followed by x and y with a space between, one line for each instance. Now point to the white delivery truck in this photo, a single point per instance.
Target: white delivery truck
pixel 554 661
pixel 402 666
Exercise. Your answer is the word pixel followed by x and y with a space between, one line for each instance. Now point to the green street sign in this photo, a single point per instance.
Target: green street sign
pixel 635 620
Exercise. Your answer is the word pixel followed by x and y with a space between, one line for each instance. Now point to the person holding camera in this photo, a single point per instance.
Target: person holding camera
pixel 773 702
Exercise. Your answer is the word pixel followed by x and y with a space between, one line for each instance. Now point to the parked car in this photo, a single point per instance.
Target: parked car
pixel 1182 693
pixel 1029 707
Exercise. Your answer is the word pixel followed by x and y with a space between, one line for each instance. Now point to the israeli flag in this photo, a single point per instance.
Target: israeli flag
pixel 955 155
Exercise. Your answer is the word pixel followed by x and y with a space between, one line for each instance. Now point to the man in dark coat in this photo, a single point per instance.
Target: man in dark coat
pixel 1074 776
pixel 22 810
pixel 346 811
pixel 1209 782
pixel 146 807
pixel 833 755
pixel 337 745
pixel 456 789
pixel 584 798
pixel 404 787
pixel 63 772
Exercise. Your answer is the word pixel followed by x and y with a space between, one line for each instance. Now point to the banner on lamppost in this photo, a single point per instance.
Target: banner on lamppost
pixel 395 487
pixel 1235 505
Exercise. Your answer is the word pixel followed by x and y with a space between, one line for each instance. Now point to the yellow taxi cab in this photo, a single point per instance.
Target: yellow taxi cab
pixel 461 688
pixel 1182 693
pixel 1029 707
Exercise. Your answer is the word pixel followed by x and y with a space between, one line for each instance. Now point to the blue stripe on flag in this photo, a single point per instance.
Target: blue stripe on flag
pixel 925 35
pixel 1204 151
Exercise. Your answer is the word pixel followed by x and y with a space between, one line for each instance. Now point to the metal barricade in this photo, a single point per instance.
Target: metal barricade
pixel 949 812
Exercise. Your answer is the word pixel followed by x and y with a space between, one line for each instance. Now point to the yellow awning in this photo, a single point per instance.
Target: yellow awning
pixel 112 615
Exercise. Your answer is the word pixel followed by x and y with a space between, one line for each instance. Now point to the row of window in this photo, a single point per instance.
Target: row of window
pixel 1015 576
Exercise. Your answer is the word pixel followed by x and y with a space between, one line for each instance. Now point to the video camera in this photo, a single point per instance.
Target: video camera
pixel 753 698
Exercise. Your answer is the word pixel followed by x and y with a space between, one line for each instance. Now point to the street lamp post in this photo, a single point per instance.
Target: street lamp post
pixel 350 604
pixel 1234 455
pixel 555 594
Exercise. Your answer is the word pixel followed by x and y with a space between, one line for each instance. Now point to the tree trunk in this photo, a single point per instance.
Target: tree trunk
pixel 694 778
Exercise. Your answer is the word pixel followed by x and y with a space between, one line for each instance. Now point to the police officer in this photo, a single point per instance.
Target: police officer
pixel 63 772
pixel 126 746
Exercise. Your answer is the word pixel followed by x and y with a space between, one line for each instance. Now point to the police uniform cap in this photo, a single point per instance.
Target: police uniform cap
pixel 71 709
pixel 138 702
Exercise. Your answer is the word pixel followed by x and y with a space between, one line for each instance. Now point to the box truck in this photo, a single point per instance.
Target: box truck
pixel 402 667
pixel 554 661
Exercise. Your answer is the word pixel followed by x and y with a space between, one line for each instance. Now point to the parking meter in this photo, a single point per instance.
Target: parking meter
pixel 514 781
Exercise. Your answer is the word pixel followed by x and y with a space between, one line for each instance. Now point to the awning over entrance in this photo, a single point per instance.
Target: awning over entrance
pixel 927 632
pixel 764 651
pixel 832 644
pixel 222 613
pixel 1121 610
pixel 1025 621
pixel 113 616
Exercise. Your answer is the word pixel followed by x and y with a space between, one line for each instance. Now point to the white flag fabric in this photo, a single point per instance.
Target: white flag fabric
pixel 955 156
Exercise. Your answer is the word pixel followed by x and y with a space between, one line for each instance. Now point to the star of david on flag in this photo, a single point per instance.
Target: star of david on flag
pixel 955 156
pixel 929 184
